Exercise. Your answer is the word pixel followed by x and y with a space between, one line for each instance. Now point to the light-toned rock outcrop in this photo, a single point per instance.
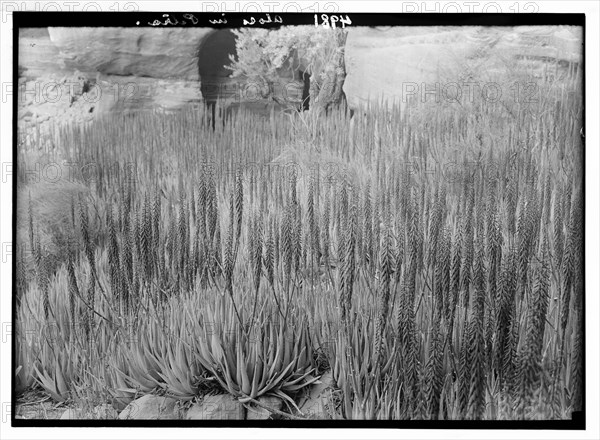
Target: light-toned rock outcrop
pixel 155 53
pixel 217 407
pixel 137 68
pixel 128 69
pixel 150 407
pixel 390 62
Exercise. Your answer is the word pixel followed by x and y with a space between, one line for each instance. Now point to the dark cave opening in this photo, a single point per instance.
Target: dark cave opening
pixel 213 56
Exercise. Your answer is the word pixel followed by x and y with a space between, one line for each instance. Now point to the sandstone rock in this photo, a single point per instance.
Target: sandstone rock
pixel 314 407
pixel 132 69
pixel 104 412
pixel 142 52
pixel 394 62
pixel 151 407
pixel 71 414
pixel 38 55
pixel 219 407
pixel 256 412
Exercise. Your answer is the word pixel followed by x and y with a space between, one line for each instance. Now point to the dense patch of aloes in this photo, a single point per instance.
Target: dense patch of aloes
pixel 436 284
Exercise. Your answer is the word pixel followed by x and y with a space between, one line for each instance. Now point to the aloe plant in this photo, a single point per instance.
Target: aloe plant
pixel 273 358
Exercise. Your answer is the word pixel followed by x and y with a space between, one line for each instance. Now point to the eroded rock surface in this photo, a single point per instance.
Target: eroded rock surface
pixel 395 62
pixel 218 407
pixel 151 407
pixel 99 70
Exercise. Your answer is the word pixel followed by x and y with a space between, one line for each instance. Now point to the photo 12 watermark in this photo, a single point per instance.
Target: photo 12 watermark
pixel 10 7
pixel 469 7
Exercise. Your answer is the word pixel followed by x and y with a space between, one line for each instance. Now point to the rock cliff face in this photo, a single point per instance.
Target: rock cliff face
pixel 99 70
pixel 391 62
pixel 136 68
pixel 159 53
